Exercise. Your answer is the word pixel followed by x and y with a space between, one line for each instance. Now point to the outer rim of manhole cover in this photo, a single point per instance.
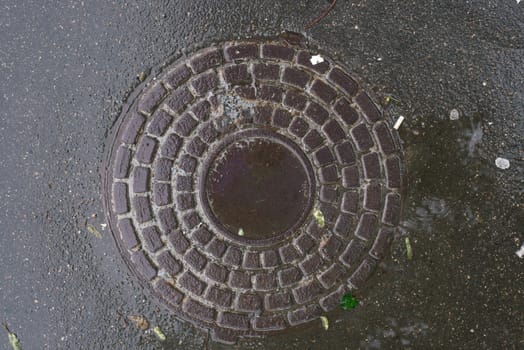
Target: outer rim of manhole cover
pixel 161 228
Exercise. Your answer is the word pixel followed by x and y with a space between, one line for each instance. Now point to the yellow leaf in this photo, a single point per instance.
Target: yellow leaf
pixel 319 216
pixel 409 249
pixel 159 333
pixel 13 339
pixel 325 322
pixel 93 231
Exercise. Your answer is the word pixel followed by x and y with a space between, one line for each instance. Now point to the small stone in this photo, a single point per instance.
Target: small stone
pixel 520 252
pixel 316 59
pixel 398 122
pixel 454 114
pixel 502 163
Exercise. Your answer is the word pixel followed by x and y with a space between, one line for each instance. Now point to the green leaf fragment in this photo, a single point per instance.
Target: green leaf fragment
pixel 348 302
pixel 325 322
pixel 13 339
pixel 93 231
pixel 319 216
pixel 409 249
pixel 159 333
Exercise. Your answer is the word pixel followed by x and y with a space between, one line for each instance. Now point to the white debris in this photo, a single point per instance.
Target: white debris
pixel 316 59
pixel 241 232
pixel 520 252
pixel 398 122
pixel 454 114
pixel 502 163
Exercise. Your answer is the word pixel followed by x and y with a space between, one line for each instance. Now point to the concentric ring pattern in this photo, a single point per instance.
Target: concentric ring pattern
pixel 154 187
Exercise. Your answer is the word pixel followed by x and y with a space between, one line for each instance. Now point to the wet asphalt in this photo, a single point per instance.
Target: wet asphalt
pixel 67 67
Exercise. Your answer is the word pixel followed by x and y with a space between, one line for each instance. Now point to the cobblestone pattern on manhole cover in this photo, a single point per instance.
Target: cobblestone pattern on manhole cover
pixel 154 183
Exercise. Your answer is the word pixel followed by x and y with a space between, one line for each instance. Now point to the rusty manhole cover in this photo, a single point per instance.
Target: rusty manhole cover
pixel 217 169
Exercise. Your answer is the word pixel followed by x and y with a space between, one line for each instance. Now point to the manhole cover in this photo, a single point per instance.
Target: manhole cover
pixel 218 172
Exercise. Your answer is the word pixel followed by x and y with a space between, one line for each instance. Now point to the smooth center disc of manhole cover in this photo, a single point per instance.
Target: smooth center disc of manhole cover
pixel 251 136
pixel 259 186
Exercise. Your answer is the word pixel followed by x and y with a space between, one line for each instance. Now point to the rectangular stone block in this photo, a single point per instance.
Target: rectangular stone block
pixel 159 123
pixel 133 128
pixel 371 112
pixel 141 177
pixel 142 207
pixel 249 302
pixel 242 51
pixel 146 269
pixel 169 292
pixel 179 99
pixel 363 273
pixel 219 296
pixel 311 264
pixel 323 91
pixel 171 265
pixel 295 100
pixel 146 149
pixel 122 162
pixel 269 323
pixel 343 80
pixel 162 194
pixel 237 74
pixel 392 209
pixel 307 292
pixel 278 52
pixel 177 76
pixel 295 77
pixel 348 114
pixel 198 310
pixel 152 241
pixel 289 276
pixel 205 83
pixel 151 98
pixel 234 320
pixel 382 242
pixel 367 226
pixel 353 251
pixel 385 140
pixel 362 137
pixel 331 276
pixel 120 198
pixel 304 314
pixel 371 165
pixel 127 233
pixel 210 58
pixel 264 281
pixel 191 283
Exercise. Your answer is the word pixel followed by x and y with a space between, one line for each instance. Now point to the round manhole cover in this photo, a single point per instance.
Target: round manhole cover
pixel 251 189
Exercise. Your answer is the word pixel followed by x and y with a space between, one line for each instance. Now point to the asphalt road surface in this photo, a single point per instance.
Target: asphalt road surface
pixel 67 67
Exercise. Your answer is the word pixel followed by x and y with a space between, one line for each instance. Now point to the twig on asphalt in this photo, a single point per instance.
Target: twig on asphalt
pixel 321 17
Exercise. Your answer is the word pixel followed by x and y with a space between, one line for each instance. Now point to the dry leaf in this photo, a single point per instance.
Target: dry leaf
pixel 93 231
pixel 140 321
